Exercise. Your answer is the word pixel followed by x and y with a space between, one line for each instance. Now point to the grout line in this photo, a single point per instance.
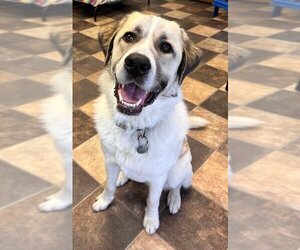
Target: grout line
pixel 27 197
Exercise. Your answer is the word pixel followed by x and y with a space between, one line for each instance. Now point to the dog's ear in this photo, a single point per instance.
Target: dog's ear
pixel 191 57
pixel 106 38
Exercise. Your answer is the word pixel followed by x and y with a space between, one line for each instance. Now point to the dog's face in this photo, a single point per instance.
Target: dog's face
pixel 145 54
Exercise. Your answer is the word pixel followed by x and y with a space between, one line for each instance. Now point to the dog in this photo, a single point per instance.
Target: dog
pixel 57 119
pixel 141 116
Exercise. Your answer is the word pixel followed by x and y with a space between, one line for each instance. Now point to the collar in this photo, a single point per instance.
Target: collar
pixel 126 127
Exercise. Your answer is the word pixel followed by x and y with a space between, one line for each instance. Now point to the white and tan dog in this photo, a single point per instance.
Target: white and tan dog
pixel 141 116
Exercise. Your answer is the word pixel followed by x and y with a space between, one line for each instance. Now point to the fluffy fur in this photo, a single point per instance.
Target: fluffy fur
pixel 57 119
pixel 164 165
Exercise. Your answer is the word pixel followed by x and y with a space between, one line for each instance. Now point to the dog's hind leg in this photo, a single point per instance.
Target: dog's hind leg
pixel 174 200
pixel 179 176
pixel 122 179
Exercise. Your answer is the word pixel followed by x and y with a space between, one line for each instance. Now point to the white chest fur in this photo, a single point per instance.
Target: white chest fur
pixel 120 146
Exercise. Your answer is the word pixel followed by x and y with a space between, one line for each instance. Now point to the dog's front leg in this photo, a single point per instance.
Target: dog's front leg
pixel 151 219
pixel 107 196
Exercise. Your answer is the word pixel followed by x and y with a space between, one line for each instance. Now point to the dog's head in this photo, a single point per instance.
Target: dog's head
pixel 146 55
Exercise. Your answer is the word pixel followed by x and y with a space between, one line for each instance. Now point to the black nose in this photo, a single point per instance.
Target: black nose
pixel 137 64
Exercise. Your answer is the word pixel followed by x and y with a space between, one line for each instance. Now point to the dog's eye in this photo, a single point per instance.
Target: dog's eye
pixel 166 47
pixel 129 37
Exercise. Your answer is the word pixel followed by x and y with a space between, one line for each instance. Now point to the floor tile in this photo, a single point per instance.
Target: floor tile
pixel 38 156
pixel 18 184
pixel 196 92
pixel 213 45
pixel 83 184
pixel 89 47
pixel 271 134
pixel 217 103
pixel 46 230
pixel 285 62
pixel 209 75
pixel 244 154
pixel 268 76
pixel 134 196
pixel 172 6
pixel 273 45
pixel 11 131
pixel 223 149
pixel 211 179
pixel 177 14
pixel 91 159
pixel 17 25
pixel 103 228
pixel 282 103
pixel 198 158
pixel 258 31
pixel 82 25
pixel 8 77
pixel 274 178
pixel 204 30
pixel 91 32
pixel 83 92
pixel 221 36
pixel 292 148
pixel 83 128
pixel 37 65
pixel 255 221
pixel 207 228
pixel 215 133
pixel 148 242
pixel 291 36
pixel 243 93
pixel 88 66
pixel 14 94
pixel 219 62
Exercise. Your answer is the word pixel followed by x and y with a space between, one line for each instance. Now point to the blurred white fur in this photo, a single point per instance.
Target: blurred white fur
pixel 57 119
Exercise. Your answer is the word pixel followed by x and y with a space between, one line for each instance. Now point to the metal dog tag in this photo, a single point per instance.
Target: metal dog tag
pixel 143 144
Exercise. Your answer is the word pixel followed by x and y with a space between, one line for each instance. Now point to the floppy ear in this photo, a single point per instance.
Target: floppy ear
pixel 106 39
pixel 191 57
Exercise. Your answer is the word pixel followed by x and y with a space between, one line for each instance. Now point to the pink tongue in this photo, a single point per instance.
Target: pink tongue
pixel 131 93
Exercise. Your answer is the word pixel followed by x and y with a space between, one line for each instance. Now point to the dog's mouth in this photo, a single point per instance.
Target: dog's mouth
pixel 131 98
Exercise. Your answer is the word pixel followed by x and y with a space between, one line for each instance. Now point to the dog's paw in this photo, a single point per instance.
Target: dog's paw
pixel 122 179
pixel 150 224
pixel 55 204
pixel 174 201
pixel 102 203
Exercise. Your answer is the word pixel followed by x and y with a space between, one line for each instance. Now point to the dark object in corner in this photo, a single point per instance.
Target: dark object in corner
pixel 298 86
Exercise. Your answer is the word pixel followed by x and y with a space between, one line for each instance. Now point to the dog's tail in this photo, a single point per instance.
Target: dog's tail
pixel 197 122
pixel 240 122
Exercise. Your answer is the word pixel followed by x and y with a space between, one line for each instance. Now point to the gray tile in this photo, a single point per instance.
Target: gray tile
pixel 243 154
pixel 113 228
pixel 282 103
pixel 16 127
pixel 22 91
pixel 17 184
pixel 25 227
pixel 83 184
pixel 199 224
pixel 264 75
pixel 250 215
pixel 292 148
pixel 200 153
pixel 84 91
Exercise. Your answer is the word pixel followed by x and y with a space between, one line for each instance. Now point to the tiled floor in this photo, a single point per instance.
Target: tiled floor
pixel 202 221
pixel 29 163
pixel 263 197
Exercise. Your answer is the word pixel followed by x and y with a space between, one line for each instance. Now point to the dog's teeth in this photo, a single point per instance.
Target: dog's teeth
pixel 139 102
pixel 121 98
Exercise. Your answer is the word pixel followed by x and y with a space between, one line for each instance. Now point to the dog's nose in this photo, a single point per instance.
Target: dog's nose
pixel 137 64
